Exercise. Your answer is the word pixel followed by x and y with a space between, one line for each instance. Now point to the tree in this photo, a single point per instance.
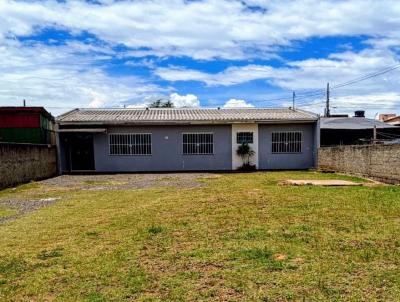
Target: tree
pixel 245 152
pixel 168 104
pixel 161 104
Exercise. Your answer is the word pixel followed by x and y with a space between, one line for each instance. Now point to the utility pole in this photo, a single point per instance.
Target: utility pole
pixel 327 110
pixel 294 97
pixel 374 141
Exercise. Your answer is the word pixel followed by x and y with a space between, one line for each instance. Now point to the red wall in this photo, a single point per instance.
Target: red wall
pixel 24 120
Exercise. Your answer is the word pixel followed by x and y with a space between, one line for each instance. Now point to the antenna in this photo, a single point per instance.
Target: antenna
pixel 294 97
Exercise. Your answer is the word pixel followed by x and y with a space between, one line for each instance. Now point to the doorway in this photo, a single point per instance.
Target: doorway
pixel 81 153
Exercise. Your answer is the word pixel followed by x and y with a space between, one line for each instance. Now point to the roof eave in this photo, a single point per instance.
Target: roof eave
pixel 204 122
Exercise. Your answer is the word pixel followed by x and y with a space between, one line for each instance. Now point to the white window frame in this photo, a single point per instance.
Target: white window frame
pixel 147 154
pixel 197 133
pixel 287 142
pixel 246 132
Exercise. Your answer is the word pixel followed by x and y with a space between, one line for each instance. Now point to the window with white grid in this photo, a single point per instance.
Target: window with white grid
pixel 286 142
pixel 198 143
pixel 244 137
pixel 130 144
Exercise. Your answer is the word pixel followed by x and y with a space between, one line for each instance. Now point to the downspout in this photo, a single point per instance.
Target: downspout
pixel 317 141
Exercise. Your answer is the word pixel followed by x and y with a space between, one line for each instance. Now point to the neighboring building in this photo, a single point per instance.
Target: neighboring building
pixel 385 116
pixel 26 125
pixel 390 118
pixel 130 140
pixel 355 130
pixel 395 120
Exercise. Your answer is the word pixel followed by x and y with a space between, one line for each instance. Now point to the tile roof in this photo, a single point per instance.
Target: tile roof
pixel 181 115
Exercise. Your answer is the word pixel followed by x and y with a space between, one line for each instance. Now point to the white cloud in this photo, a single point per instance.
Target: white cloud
pixel 371 101
pixel 204 29
pixel 298 75
pixel 60 78
pixel 234 103
pixel 97 100
pixel 148 63
pixel 179 101
pixel 188 100
pixel 138 105
pixel 182 74
pixel 230 76
pixel 311 74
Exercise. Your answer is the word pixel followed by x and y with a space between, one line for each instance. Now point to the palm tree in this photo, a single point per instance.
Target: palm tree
pixel 245 152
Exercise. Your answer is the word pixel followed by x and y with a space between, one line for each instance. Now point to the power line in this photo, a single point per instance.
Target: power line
pixel 312 95
pixel 366 77
pixel 321 92
pixel 356 80
pixel 312 103
pixel 299 96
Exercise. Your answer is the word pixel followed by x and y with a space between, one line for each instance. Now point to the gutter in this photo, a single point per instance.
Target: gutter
pixel 83 130
pixel 174 123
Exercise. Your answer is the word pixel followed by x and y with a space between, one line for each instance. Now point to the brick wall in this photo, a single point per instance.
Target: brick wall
pixel 21 163
pixel 380 162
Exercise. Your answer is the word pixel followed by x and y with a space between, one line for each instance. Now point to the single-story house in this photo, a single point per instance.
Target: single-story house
pixel 355 130
pixel 187 139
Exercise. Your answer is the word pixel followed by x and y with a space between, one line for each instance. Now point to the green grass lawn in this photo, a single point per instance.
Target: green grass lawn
pixel 6 212
pixel 240 237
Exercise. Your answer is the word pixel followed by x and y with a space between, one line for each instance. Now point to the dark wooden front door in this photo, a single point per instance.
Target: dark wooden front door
pixel 81 153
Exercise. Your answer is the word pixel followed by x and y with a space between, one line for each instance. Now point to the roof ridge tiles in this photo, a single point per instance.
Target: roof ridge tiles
pixel 184 115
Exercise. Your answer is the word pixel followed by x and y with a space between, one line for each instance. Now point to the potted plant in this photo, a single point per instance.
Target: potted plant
pixel 245 152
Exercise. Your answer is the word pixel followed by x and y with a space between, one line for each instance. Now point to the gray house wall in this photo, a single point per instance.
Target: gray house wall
pixel 167 153
pixel 303 160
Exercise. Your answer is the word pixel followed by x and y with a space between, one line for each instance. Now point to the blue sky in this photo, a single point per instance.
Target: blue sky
pixel 249 53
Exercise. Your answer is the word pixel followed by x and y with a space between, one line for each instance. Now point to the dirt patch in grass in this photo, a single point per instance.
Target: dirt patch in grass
pixel 17 207
pixel 203 278
pixel 128 181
